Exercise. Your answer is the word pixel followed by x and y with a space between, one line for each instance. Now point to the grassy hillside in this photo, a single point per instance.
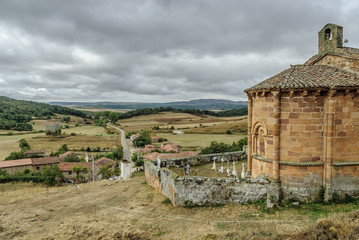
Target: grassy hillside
pixel 133 210
pixel 16 114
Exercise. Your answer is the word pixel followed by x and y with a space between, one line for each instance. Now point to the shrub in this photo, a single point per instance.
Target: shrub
pixel 52 175
pixel 228 132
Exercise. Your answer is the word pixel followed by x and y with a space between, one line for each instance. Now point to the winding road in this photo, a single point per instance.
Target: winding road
pixel 126 150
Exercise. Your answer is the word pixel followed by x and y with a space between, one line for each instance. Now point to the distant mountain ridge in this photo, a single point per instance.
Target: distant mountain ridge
pixel 203 104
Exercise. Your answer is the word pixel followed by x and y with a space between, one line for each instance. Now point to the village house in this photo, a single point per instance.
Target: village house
pixel 155 139
pixel 134 136
pixel 303 123
pixel 41 153
pixel 178 132
pixel 67 169
pixel 33 164
pixel 170 147
pixel 103 162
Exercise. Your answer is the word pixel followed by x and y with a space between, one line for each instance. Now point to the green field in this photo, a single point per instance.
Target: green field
pixel 201 140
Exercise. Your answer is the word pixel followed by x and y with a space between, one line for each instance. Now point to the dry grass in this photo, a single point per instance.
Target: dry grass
pixel 183 120
pixel 133 210
pixel 341 226
pixel 88 136
pixel 10 144
pixel 201 140
pixel 51 144
pixel 129 210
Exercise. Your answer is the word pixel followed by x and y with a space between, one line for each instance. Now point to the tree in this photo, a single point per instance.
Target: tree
pixel 24 145
pixel 221 147
pixel 106 171
pixel 52 175
pixel 72 158
pixel 139 142
pixel 113 117
pixel 78 169
pixel 15 155
pixel 137 159
pixel 3 173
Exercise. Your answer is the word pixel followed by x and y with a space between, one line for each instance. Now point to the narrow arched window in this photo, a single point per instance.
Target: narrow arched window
pixel 261 145
pixel 328 34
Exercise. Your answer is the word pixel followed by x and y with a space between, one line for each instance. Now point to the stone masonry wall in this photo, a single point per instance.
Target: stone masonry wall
pixel 346 135
pixel 301 130
pixel 261 167
pixel 263 112
pixel 209 191
pixel 194 190
pixel 340 62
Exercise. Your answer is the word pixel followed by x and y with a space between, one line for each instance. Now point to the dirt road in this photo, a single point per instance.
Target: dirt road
pixel 126 150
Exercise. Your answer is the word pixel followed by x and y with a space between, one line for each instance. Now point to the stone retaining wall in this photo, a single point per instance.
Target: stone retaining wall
pixel 195 190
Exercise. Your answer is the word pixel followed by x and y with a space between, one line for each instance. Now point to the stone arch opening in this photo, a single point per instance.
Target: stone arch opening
pixel 259 139
pixel 328 34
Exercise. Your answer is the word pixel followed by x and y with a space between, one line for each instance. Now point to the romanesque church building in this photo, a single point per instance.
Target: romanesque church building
pixel 303 123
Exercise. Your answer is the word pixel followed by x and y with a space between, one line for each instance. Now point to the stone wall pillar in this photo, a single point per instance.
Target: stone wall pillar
pixel 250 140
pixel 329 130
pixel 276 133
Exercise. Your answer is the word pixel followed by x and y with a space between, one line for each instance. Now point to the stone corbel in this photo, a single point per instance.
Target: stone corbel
pixel 305 93
pixel 347 92
pixel 275 93
pixel 317 93
pixel 332 93
pixel 263 94
pixel 291 93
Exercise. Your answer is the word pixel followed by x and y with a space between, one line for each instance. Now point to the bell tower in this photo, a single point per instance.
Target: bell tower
pixel 330 38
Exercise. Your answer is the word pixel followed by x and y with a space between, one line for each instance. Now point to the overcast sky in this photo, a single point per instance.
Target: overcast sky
pixel 157 51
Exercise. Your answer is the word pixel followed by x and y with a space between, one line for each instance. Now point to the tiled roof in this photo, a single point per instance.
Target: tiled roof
pixel 45 160
pixel 34 152
pixel 29 161
pixel 67 166
pixel 102 162
pixel 343 52
pixel 15 163
pixel 309 77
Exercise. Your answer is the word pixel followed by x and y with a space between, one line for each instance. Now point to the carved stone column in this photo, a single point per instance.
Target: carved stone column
pixel 276 132
pixel 329 139
pixel 250 140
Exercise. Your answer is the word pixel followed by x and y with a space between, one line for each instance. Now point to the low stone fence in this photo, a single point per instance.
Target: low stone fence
pixel 195 190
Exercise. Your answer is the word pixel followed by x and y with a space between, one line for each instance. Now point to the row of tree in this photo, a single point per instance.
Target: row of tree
pixel 221 147
pixel 147 111
pixel 16 114
pixel 102 118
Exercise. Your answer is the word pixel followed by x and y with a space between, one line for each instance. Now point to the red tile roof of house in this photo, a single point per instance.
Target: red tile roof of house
pixel 29 161
pixel 15 163
pixel 34 152
pixel 102 162
pixel 67 166
pixel 45 160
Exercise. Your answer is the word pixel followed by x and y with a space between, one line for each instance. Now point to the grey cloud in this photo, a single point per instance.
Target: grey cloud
pixel 163 50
